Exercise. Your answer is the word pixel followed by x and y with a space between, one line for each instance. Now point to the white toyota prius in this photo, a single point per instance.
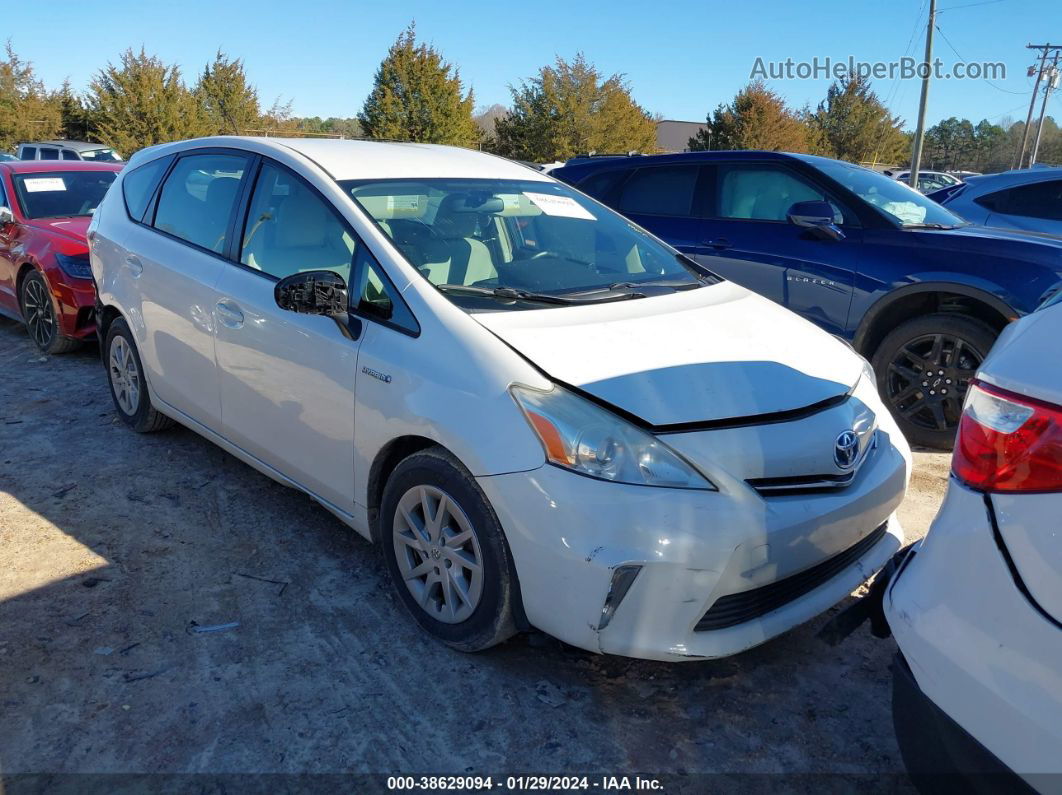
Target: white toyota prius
pixel 541 414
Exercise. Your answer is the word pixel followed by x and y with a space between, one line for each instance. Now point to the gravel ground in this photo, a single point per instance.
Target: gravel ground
pixel 119 553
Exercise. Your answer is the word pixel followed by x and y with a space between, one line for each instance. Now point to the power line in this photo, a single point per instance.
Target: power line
pixel 969 5
pixel 959 56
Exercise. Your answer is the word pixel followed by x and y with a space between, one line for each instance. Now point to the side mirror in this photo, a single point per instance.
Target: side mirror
pixel 313 293
pixel 6 216
pixel 816 215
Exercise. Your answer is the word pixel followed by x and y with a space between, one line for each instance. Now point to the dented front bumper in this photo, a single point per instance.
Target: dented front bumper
pixel 570 534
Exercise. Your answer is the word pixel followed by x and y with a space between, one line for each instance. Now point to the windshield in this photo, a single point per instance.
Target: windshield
pixel 900 202
pixel 102 156
pixel 482 240
pixel 58 194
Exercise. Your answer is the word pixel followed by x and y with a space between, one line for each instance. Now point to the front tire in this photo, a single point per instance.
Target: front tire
pixel 924 368
pixel 39 314
pixel 125 374
pixel 446 552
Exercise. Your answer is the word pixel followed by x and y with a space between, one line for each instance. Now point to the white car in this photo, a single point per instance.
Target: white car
pixel 928 181
pixel 544 416
pixel 976 608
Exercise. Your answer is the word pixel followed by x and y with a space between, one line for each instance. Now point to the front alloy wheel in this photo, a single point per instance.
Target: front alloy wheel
pixel 446 552
pixel 438 554
pixel 924 369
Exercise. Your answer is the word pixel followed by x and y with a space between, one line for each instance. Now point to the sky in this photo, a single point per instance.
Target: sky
pixel 681 58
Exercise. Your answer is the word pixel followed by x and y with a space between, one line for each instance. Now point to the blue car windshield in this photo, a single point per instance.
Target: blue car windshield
pixel 900 202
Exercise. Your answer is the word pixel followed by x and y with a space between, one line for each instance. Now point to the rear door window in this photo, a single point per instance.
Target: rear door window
pixel 660 190
pixel 68 155
pixel 49 154
pixel 198 198
pixel 29 153
pixel 1039 200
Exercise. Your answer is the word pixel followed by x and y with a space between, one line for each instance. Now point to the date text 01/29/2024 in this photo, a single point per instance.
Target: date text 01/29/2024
pixel 530 783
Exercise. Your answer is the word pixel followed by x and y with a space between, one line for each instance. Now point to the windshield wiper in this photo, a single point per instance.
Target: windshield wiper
pixel 674 285
pixel 507 293
pixel 931 226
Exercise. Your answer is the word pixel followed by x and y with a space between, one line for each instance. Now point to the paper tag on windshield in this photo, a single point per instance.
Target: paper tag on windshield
pixel 43 184
pixel 563 206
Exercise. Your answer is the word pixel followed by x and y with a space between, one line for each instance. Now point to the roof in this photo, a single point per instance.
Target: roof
pixel 77 146
pixel 674 136
pixel 347 159
pixel 55 166
pixel 583 167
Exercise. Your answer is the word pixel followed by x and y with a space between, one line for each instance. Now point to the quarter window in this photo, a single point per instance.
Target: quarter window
pixel 290 229
pixel 198 197
pixel 663 190
pixel 375 296
pixel 139 184
pixel 29 153
pixel 757 193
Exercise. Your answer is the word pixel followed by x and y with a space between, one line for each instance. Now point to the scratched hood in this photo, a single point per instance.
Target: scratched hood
pixel 72 228
pixel 713 353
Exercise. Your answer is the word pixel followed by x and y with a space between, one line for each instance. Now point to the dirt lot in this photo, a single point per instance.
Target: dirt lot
pixel 119 551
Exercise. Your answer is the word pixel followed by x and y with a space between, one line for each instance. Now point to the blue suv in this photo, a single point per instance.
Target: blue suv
pixel 909 284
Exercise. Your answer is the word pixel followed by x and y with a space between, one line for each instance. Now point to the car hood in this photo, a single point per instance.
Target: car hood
pixel 714 353
pixel 72 228
pixel 975 236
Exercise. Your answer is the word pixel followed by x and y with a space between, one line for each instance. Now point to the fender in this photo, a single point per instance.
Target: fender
pixel 987 293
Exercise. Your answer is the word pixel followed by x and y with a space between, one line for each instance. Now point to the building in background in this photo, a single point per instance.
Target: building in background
pixel 674 136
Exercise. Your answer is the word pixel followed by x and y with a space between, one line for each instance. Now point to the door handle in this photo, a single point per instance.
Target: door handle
pixel 229 315
pixel 134 264
pixel 718 243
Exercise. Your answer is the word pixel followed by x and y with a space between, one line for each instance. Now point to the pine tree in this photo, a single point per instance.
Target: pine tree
pixel 757 118
pixel 569 109
pixel 26 110
pixel 418 97
pixel 143 102
pixel 856 126
pixel 229 104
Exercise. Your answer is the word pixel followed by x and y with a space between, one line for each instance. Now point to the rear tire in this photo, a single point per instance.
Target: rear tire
pixel 446 552
pixel 125 375
pixel 924 367
pixel 40 316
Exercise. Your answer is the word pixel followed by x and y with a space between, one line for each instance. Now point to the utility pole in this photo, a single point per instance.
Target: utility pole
pixel 920 130
pixel 1052 83
pixel 1045 49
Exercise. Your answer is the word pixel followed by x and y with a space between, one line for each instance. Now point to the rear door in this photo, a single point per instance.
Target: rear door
pixel 173 260
pixel 750 240
pixel 8 301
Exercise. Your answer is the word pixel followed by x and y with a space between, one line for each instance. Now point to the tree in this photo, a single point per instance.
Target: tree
pixel 74 118
pixel 569 109
pixel 26 110
pixel 855 125
pixel 418 97
pixel 229 104
pixel 143 102
pixel 485 120
pixel 757 118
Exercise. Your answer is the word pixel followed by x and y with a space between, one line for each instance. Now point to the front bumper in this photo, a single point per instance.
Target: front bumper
pixel 569 534
pixel 975 645
pixel 76 299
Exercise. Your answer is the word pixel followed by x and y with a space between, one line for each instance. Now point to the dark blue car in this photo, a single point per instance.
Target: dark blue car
pixel 910 285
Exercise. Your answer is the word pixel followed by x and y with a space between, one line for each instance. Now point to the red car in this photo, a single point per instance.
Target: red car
pixel 45 281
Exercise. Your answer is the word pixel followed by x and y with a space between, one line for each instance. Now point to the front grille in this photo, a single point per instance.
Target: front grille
pixel 737 608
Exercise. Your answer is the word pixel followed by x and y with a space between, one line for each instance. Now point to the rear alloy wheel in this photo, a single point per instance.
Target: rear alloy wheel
pixel 125 374
pixel 38 311
pixel 924 369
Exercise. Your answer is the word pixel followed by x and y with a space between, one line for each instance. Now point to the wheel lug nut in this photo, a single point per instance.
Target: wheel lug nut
pixel 943 391
pixel 932 392
pixel 925 383
pixel 947 380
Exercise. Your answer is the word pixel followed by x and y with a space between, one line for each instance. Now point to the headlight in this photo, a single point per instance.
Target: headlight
pixel 580 436
pixel 78 267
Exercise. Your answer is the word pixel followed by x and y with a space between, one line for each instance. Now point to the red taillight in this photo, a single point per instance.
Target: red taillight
pixel 1008 442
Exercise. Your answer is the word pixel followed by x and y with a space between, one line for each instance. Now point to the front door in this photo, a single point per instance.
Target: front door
pixel 752 243
pixel 287 379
